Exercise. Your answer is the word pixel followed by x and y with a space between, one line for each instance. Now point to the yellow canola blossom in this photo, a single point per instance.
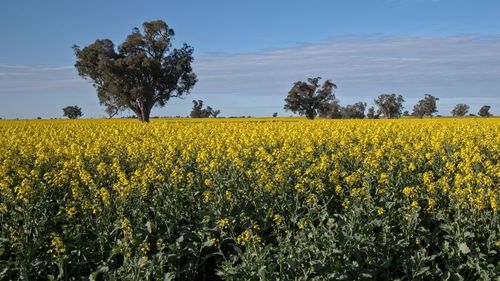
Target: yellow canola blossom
pixel 97 161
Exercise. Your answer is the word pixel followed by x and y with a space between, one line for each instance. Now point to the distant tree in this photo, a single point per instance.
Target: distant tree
pixel 144 71
pixel 370 114
pixel 215 113
pixel 72 112
pixel 307 98
pixel 39 118
pixel 199 112
pixel 406 113
pixel 460 110
pixel 484 111
pixel 196 112
pixel 331 110
pixel 390 105
pixel 426 106
pixel 418 111
pixel 275 114
pixel 356 110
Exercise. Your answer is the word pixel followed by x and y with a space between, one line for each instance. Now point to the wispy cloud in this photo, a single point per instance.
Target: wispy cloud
pixel 38 78
pixel 466 66
pixel 463 68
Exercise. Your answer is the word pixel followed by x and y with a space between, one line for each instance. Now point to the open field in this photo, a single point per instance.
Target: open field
pixel 243 199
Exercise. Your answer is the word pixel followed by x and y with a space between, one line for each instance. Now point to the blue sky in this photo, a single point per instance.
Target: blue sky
pixel 249 53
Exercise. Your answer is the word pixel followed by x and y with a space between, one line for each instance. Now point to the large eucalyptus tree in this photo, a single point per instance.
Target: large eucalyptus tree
pixel 143 72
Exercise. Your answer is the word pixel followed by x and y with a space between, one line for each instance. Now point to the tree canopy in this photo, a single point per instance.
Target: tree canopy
pixel 72 112
pixel 371 113
pixel 460 110
pixel 390 105
pixel 356 111
pixel 307 98
pixel 426 106
pixel 484 111
pixel 143 72
pixel 199 112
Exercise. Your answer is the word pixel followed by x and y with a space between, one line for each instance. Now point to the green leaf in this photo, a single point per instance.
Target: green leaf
pixel 148 227
pixel 101 269
pixel 423 270
pixel 262 271
pixel 336 251
pixel 169 276
pixel 366 275
pixel 463 248
pixel 457 277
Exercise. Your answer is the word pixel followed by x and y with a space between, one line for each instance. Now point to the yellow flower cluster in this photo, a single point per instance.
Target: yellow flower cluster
pixel 97 161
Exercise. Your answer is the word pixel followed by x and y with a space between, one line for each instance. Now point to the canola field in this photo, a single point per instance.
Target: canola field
pixel 250 199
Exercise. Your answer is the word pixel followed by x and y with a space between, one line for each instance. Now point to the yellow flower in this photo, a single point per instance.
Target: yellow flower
pixel 223 223
pixel 56 245
pixel 208 182
pixel 207 195
pixel 71 211
pixel 126 227
pixel 414 205
pixel 431 203
pixel 278 219
pixel 380 211
pixel 3 208
pixel 408 191
pixel 144 249
pixel 243 237
pixel 338 189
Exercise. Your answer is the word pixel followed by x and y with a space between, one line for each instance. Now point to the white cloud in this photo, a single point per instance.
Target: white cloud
pixel 463 68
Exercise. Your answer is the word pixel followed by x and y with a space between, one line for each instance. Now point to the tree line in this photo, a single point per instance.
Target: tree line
pixel 311 99
pixel 146 71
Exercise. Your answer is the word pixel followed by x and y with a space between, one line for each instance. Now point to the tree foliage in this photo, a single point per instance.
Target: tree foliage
pixel 390 105
pixel 332 110
pixel 72 112
pixel 356 111
pixel 199 112
pixel 484 111
pixel 426 106
pixel 460 110
pixel 141 73
pixel 371 114
pixel 309 98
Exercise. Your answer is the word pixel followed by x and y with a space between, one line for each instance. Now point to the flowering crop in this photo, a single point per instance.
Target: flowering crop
pixel 275 199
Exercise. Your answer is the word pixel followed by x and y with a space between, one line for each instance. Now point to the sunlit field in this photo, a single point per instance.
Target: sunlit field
pixel 250 199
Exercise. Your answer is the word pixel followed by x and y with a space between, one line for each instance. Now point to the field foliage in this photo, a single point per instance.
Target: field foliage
pixel 253 199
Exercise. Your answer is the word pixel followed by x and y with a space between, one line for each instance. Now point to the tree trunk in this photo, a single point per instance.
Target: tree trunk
pixel 310 114
pixel 143 113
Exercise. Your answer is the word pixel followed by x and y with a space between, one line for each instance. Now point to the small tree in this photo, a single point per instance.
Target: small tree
pixel 275 114
pixel 484 111
pixel 307 98
pixel 426 106
pixel 72 112
pixel 332 110
pixel 356 110
pixel 215 113
pixel 460 110
pixel 390 105
pixel 199 112
pixel 370 114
